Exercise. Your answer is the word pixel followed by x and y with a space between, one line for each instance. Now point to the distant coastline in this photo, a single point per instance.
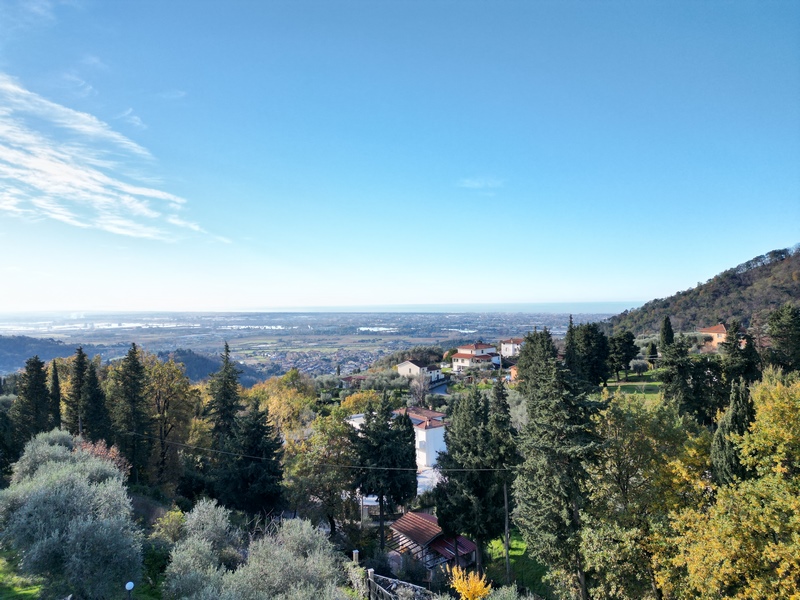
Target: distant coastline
pixel 510 307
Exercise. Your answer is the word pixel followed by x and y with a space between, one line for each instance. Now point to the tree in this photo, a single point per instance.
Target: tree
pixel 420 386
pixel 97 421
pixel 129 414
pixel 55 397
pixel 784 331
pixel 30 412
pixel 319 471
pixel 667 336
pixel 469 497
pixel 224 404
pixel 557 444
pixel 68 517
pixel 651 354
pixel 387 457
pixel 251 479
pixel 622 350
pixel 740 359
pixel 727 465
pixel 73 404
pixel 586 354
pixel 746 544
pixel 171 402
pixel 503 454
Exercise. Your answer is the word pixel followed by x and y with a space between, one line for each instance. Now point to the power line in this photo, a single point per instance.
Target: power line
pixel 359 467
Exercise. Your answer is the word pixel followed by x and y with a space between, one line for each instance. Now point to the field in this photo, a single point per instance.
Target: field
pixel 13 586
pixel 526 572
pixel 638 385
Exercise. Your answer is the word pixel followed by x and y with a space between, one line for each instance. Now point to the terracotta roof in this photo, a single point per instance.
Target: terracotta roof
pixel 715 329
pixel 422 418
pixel 423 529
pixel 512 341
pixel 478 346
pixel 420 528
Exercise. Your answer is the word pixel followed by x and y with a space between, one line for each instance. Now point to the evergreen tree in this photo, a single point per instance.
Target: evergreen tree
pixel 97 421
pixel 30 412
pixel 570 355
pixel 622 350
pixel 740 358
pixel 588 353
pixel 224 404
pixel 73 413
pixel 652 354
pixel 251 480
pixel 667 336
pixel 469 497
pixel 503 456
pixel 55 397
pixel 727 466
pixel 385 448
pixel 784 331
pixel 129 415
pixel 557 444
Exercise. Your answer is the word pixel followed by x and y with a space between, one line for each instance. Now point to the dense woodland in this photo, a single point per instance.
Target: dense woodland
pixel 748 293
pixel 129 470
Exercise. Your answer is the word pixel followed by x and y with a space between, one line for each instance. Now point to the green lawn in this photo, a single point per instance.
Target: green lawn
pixel 13 586
pixel 645 385
pixel 525 571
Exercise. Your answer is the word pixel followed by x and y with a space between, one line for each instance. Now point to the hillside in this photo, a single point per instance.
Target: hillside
pixel 748 292
pixel 16 349
pixel 199 367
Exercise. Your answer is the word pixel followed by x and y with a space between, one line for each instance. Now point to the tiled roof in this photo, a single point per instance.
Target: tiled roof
pixel 423 529
pixel 478 346
pixel 513 341
pixel 715 329
pixel 422 418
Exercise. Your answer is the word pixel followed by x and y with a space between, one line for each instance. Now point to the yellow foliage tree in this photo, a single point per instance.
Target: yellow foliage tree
pixel 469 585
pixel 747 543
pixel 357 403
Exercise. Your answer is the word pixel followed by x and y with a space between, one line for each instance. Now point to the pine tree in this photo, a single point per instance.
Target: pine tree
pixel 129 416
pixel 667 335
pixel 74 405
pixel 557 444
pixel 224 404
pixel 97 421
pixel 570 352
pixel 652 354
pixel 586 355
pixel 385 447
pixel 30 412
pixel 251 480
pixel 784 331
pixel 725 459
pixel 55 397
pixel 622 350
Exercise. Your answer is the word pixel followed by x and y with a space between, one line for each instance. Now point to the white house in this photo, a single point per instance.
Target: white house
pixel 428 434
pixel 510 347
pixel 412 368
pixel 475 355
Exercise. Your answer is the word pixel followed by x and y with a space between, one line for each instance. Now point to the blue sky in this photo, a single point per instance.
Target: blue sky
pixel 193 155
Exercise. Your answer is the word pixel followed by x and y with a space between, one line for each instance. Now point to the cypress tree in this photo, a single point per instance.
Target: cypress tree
pixel 586 355
pixel 570 353
pixel 385 447
pixel 740 358
pixel 251 480
pixel 667 335
pixel 97 423
pixel 55 396
pixel 224 404
pixel 557 444
pixel 30 411
pixel 725 459
pixel 129 416
pixel 652 354
pixel 73 413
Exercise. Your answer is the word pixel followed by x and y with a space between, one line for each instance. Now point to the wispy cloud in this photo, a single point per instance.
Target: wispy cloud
pixel 66 165
pixel 132 119
pixel 481 183
pixel 172 95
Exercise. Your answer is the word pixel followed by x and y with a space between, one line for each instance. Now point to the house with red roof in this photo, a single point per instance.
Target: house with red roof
pixel 412 368
pixel 420 535
pixel 510 347
pixel 480 355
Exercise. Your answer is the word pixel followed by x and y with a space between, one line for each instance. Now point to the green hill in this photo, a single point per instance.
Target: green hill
pixel 748 292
